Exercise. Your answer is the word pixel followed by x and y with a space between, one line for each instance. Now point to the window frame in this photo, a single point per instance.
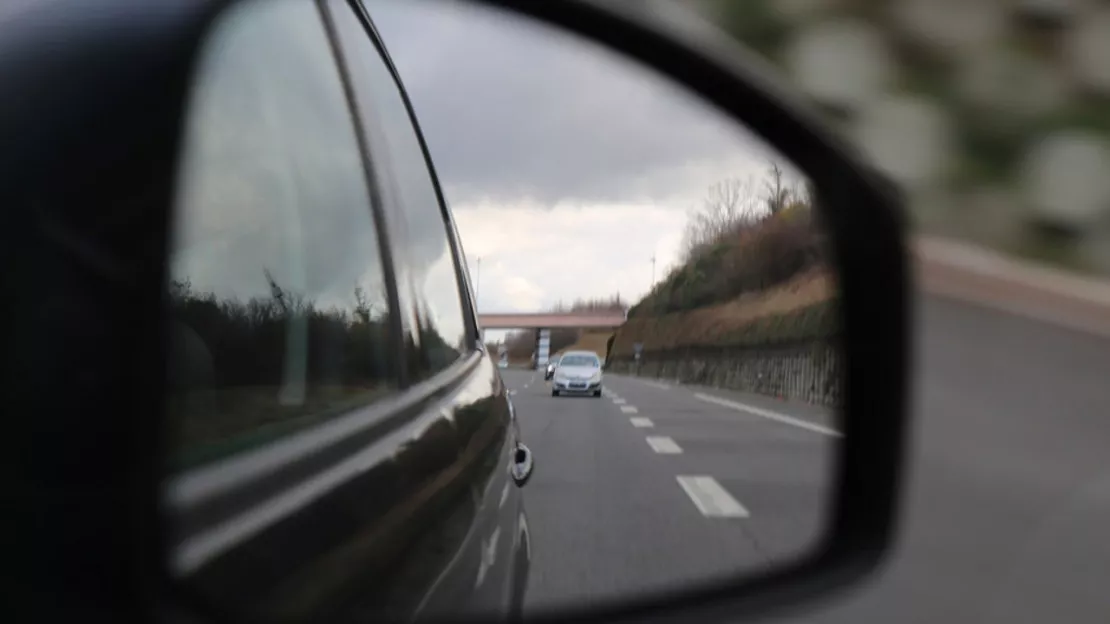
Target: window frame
pixel 450 230
pixel 203 498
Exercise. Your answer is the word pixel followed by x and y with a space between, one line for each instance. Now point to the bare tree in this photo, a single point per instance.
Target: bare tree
pixel 729 206
pixel 599 304
pixel 364 307
pixel 777 192
pixel 275 291
pixel 180 289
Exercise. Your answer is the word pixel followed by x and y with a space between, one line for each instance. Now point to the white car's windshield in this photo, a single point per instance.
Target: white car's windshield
pixel 579 360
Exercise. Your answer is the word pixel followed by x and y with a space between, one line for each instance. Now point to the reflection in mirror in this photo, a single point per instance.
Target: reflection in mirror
pixel 651 284
pixel 522 465
pixel 589 189
pixel 277 291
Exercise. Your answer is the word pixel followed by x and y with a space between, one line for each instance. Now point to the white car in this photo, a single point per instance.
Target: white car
pixel 578 372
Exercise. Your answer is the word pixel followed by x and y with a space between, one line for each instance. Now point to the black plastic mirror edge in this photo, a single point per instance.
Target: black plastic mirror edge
pixel 91 118
pixel 864 215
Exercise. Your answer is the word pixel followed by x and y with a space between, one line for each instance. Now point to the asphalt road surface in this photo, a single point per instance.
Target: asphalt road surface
pixel 1007 516
pixel 653 486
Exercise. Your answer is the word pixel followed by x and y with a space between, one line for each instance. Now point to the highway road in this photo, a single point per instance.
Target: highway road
pixel 1008 506
pixel 1008 510
pixel 654 485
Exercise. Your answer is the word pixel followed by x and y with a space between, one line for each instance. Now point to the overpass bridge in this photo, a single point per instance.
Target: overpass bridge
pixel 544 322
pixel 551 320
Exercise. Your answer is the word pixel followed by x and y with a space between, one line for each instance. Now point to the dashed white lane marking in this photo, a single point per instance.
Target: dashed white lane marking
pixel 619 401
pixel 513 392
pixel 712 500
pixel 663 445
pixel 661 386
pixel 504 495
pixel 641 422
pixel 768 414
pixel 628 409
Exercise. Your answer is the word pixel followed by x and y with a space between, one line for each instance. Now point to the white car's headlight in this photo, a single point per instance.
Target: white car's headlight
pixel 596 377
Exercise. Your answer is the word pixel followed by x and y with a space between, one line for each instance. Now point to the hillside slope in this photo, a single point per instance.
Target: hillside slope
pixel 802 309
pixel 752 282
pixel 596 341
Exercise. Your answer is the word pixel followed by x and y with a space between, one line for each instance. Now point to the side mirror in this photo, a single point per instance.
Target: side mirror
pixel 93 193
pixel 522 465
pixel 859 215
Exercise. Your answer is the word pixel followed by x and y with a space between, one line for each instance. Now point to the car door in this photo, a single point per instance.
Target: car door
pixel 488 569
pixel 339 445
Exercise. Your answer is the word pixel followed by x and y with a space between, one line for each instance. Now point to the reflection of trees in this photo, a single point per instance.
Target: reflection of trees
pixel 429 351
pixel 247 339
pixel 235 361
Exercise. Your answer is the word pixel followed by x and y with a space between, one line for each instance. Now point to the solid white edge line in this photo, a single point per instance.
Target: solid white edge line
pixel 768 414
pixel 711 499
pixel 664 445
pixel 641 422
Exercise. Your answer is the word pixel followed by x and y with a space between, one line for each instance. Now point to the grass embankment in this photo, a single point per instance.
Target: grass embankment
pixel 591 340
pixel 755 283
pixel 802 309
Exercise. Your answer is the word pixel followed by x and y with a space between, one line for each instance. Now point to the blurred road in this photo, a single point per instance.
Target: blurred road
pixel 1008 493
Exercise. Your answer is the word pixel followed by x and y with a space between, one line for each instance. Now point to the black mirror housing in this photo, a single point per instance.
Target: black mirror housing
pixel 92 131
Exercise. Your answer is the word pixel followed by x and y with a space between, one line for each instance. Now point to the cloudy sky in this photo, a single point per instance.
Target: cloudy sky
pixel 567 167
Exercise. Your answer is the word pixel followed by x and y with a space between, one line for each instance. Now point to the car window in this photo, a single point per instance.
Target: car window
pixel 426 265
pixel 579 360
pixel 279 316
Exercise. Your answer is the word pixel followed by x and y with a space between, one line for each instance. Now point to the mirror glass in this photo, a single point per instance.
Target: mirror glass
pixel 578 345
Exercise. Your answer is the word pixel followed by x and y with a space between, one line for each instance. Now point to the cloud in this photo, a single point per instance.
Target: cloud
pixel 515 111
pixel 271 167
pixel 567 169
pixel 533 258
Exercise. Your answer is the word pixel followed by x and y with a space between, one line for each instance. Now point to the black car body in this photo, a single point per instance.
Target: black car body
pixel 402 506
